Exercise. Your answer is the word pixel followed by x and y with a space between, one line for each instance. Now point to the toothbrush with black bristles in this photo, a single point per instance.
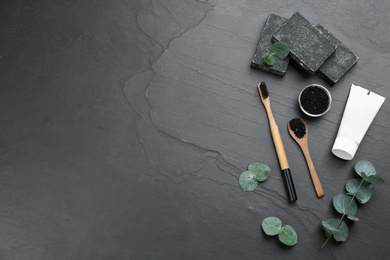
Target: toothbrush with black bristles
pixel 288 181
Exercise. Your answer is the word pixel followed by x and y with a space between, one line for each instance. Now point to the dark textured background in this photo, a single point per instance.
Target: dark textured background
pixel 125 126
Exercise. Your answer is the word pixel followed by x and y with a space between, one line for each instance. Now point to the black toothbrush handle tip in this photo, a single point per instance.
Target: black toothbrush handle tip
pixel 289 184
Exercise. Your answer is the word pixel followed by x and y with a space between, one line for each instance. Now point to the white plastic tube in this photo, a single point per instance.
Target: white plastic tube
pixel 360 110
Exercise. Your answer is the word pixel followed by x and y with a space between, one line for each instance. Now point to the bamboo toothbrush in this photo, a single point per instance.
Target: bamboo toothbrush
pixel 287 177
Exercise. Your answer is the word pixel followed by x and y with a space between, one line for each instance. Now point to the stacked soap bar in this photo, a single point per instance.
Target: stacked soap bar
pixel 273 23
pixel 313 47
pixel 339 62
pixel 308 46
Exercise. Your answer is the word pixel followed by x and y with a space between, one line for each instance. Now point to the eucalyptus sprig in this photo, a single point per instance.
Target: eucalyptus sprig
pixel 273 226
pixel 360 189
pixel 277 51
pixel 257 172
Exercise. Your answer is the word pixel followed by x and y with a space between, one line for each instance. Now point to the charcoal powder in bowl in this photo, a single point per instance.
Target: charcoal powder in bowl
pixel 315 100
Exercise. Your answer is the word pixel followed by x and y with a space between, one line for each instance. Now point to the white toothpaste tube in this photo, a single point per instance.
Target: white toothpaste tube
pixel 360 110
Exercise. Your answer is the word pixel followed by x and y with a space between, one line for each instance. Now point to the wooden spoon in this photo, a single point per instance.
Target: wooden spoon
pixel 298 131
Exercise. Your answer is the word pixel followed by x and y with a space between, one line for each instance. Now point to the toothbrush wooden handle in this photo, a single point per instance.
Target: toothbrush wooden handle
pixel 286 173
pixel 313 173
pixel 278 144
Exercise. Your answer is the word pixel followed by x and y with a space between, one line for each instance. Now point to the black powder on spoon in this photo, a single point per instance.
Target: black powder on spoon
pixel 298 127
pixel 314 100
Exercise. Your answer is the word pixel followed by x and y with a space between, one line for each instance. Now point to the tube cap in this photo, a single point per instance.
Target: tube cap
pixel 344 148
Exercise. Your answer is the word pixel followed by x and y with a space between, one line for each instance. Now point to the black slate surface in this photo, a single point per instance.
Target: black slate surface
pixel 272 24
pixel 308 46
pixel 339 63
pixel 125 125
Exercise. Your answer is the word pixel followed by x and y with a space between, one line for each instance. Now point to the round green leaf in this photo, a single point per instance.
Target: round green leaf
pixel 375 179
pixel 341 202
pixel 269 58
pixel 271 226
pixel 328 228
pixel 288 236
pixel 366 167
pixel 247 181
pixel 260 170
pixel 363 175
pixel 280 50
pixel 365 191
pixel 341 233
pixel 352 218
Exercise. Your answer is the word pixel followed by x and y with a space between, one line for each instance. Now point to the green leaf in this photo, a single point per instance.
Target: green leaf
pixel 260 170
pixel 280 50
pixel 247 181
pixel 288 236
pixel 366 167
pixel 269 58
pixel 365 191
pixel 277 51
pixel 352 218
pixel 341 202
pixel 363 175
pixel 328 228
pixel 271 226
pixel 341 233
pixel 375 179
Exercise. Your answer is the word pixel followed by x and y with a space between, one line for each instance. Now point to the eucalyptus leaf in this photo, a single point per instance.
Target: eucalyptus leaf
pixel 328 227
pixel 341 233
pixel 365 191
pixel 277 51
pixel 269 58
pixel 363 175
pixel 280 50
pixel 366 167
pixel 247 181
pixel 375 179
pixel 341 202
pixel 271 226
pixel 260 170
pixel 288 236
pixel 352 218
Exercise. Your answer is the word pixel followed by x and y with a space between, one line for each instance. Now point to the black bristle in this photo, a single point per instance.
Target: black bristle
pixel 264 90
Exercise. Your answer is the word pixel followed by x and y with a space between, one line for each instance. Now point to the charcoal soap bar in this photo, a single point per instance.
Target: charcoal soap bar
pixel 273 23
pixel 308 46
pixel 341 61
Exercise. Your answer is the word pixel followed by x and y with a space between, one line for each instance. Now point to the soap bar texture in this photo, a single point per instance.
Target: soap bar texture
pixel 341 61
pixel 308 46
pixel 273 23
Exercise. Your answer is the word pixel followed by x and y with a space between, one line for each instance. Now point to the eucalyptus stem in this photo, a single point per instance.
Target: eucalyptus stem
pixel 345 212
